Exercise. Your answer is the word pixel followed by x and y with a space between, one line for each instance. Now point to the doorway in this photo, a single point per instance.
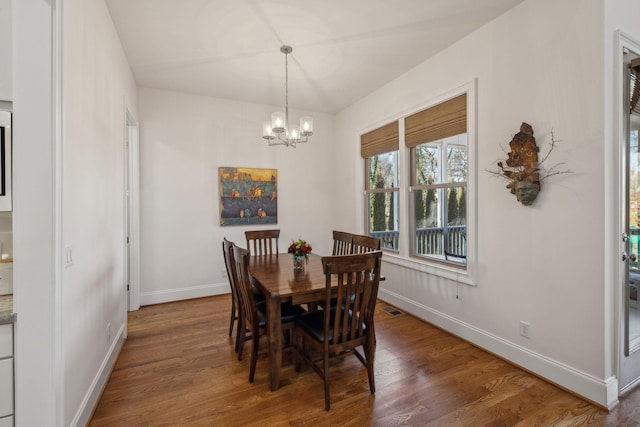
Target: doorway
pixel 629 123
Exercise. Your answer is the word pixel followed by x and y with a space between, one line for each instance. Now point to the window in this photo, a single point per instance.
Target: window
pixel 379 148
pixel 437 141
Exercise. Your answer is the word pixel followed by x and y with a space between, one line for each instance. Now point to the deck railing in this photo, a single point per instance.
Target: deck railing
pixel 429 241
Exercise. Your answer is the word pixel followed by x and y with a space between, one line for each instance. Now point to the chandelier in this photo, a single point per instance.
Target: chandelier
pixel 278 131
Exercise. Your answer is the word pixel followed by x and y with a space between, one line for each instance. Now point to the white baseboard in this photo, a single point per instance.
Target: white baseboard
pixel 83 416
pixel 604 393
pixel 177 294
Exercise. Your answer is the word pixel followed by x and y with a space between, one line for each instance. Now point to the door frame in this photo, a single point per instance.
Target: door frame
pixel 622 42
pixel 132 211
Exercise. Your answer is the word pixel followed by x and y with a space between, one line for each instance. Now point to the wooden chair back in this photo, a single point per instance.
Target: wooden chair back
pixel 235 303
pixel 362 244
pixel 341 243
pixel 245 292
pixel 264 242
pixel 357 278
pixel 227 246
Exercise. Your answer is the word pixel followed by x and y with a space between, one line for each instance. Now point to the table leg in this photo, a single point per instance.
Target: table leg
pixel 274 332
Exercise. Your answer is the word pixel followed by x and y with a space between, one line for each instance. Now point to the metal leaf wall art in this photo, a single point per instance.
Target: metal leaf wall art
pixel 522 168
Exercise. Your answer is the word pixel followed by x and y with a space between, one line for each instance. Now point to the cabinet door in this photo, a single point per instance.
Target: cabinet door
pixel 6 340
pixel 6 387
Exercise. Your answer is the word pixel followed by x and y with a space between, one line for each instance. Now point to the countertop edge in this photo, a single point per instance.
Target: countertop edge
pixel 8 317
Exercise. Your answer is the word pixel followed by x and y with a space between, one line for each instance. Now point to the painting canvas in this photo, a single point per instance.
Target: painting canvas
pixel 248 196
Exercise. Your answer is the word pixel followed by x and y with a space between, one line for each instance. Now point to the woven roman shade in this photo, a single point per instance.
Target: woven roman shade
pixel 635 86
pixel 381 140
pixel 440 121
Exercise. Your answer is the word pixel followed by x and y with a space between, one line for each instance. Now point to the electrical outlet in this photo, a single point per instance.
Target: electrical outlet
pixel 223 273
pixel 525 329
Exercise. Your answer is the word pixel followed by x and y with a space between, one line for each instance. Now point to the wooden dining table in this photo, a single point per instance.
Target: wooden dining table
pixel 276 279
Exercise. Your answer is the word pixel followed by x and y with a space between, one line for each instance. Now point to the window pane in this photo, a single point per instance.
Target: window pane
pixel 428 231
pixel 455 235
pixel 383 170
pixel 457 163
pixel 383 218
pixel 434 233
pixel 427 171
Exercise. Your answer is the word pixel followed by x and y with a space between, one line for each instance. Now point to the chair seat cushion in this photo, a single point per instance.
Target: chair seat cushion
pixel 257 296
pixel 288 312
pixel 312 322
pixel 262 314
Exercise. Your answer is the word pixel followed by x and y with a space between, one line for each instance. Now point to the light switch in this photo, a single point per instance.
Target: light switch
pixel 68 255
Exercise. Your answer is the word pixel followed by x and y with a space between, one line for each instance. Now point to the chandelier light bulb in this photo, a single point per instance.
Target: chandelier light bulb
pixel 278 122
pixel 306 126
pixel 267 132
pixel 294 134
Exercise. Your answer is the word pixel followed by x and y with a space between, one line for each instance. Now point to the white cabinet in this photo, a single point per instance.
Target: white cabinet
pixel 6 340
pixel 6 375
pixel 6 387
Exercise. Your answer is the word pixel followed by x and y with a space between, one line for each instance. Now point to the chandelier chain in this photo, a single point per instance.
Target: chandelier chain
pixel 286 87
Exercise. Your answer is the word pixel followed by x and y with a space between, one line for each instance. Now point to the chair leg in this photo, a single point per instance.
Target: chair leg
pixel 286 335
pixel 369 354
pixel 254 354
pixel 240 338
pixel 240 333
pixel 233 317
pixel 325 363
pixel 297 353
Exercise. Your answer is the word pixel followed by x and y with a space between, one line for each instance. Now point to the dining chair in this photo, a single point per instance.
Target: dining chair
pixel 341 243
pixel 237 307
pixel 255 319
pixel 361 244
pixel 264 242
pixel 354 279
pixel 235 303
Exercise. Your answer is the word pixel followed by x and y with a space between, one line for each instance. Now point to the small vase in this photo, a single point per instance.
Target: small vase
pixel 298 262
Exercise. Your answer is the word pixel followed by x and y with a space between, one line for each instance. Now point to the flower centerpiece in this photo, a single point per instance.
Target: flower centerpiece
pixel 300 250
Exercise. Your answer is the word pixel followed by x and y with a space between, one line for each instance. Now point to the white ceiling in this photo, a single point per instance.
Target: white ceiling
pixel 342 49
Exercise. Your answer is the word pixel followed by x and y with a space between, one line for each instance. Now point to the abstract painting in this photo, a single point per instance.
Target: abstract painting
pixel 248 196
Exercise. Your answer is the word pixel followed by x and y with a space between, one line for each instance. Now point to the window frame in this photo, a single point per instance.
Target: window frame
pixel 403 258
pixel 368 191
pixel 441 187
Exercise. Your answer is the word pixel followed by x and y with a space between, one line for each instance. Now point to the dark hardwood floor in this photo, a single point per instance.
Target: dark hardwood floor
pixel 178 367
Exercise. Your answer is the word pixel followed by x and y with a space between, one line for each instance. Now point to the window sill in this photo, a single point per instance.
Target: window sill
pixel 434 268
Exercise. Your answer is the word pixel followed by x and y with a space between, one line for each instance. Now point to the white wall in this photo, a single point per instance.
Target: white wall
pixel 183 140
pixel 97 88
pixel 541 62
